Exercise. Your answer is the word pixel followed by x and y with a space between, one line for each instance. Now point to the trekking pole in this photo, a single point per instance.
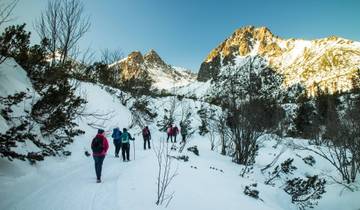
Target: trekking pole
pixel 134 148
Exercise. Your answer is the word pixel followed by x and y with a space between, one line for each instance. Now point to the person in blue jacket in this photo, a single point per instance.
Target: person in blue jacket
pixel 116 135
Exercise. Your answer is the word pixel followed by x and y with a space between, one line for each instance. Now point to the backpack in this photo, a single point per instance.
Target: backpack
pixel 145 132
pixel 125 137
pixel 116 134
pixel 97 145
pixel 169 130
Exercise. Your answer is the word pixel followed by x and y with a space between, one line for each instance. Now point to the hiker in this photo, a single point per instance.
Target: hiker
pixel 175 132
pixel 125 144
pixel 99 146
pixel 183 132
pixel 116 135
pixel 169 133
pixel 146 136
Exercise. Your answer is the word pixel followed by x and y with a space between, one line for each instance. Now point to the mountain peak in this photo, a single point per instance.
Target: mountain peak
pixel 244 40
pixel 152 57
pixel 150 65
pixel 254 32
pixel 136 56
pixel 328 64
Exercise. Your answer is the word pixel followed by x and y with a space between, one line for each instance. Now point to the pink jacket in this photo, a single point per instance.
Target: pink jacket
pixel 105 143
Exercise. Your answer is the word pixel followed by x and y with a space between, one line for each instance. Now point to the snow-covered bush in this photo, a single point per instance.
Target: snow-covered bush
pixel 285 167
pixel 248 96
pixel 305 192
pixel 165 173
pixel 250 191
pixel 194 150
pixel 310 160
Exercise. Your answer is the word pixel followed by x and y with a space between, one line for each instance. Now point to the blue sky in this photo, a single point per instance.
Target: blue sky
pixel 184 31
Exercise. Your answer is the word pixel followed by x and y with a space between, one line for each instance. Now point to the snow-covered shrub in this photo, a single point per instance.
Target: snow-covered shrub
pixel 186 130
pixel 21 131
pixel 203 114
pixel 249 98
pixel 165 173
pixel 305 192
pixel 285 167
pixel 310 160
pixel 168 118
pixel 142 106
pixel 250 191
pixel 185 158
pixel 10 100
pixel 194 150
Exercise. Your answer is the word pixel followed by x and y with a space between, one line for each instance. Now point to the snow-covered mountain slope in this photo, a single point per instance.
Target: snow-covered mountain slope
pixel 330 64
pixel 208 181
pixel 163 76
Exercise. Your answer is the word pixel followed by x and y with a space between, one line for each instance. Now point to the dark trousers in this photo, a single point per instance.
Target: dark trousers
pixel 183 138
pixel 117 144
pixel 125 151
pixel 169 136
pixel 175 138
pixel 98 165
pixel 147 139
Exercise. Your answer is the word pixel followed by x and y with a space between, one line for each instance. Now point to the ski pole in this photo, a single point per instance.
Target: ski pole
pixel 134 148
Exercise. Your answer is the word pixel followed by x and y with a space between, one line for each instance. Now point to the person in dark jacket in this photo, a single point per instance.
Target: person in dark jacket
pixel 175 132
pixel 146 136
pixel 125 144
pixel 100 146
pixel 183 132
pixel 116 135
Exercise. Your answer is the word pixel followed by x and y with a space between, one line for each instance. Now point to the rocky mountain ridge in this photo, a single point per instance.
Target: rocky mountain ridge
pixel 330 64
pixel 163 75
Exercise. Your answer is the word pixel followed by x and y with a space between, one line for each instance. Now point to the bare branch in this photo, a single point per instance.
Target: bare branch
pixel 6 9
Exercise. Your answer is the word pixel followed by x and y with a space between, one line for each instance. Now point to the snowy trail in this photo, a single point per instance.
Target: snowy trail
pixel 75 188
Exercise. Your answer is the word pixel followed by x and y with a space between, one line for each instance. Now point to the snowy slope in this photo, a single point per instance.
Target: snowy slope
pixel 14 80
pixel 66 183
pixel 62 183
pixel 172 78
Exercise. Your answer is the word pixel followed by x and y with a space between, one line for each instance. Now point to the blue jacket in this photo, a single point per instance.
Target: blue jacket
pixel 116 135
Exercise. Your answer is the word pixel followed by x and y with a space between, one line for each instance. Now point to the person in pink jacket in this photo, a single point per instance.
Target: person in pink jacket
pixel 99 146
pixel 169 133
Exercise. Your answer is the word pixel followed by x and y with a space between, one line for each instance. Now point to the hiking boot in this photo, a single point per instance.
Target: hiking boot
pixel 98 181
pixel 116 155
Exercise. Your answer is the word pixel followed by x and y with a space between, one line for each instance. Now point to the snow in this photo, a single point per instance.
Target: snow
pixel 298 48
pixel 170 78
pixel 12 78
pixel 61 183
pixel 198 89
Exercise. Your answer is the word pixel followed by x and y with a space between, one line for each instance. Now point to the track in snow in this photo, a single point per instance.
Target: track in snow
pixel 76 189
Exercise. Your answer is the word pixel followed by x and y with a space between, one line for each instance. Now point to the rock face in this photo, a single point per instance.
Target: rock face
pixel 132 66
pixel 330 64
pixel 163 75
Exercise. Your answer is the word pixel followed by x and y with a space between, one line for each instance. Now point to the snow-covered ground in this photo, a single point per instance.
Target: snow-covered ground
pixel 209 181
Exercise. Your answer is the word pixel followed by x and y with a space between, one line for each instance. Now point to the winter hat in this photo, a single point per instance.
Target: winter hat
pixel 124 129
pixel 101 131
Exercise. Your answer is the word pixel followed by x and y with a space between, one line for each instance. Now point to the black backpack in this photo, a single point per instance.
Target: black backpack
pixel 97 145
